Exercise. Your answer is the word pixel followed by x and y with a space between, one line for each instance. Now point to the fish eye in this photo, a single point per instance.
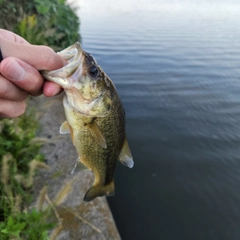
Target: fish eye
pixel 93 71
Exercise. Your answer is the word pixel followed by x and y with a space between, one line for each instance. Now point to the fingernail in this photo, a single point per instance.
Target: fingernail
pixel 14 71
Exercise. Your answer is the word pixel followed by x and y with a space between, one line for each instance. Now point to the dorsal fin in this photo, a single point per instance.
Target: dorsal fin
pixel 125 156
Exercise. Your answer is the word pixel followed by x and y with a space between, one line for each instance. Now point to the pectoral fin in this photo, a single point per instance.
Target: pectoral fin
pixel 125 156
pixel 64 129
pixel 97 134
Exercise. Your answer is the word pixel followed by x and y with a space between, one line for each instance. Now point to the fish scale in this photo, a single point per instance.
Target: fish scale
pixel 94 116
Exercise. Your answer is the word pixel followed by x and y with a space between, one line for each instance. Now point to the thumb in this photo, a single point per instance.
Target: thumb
pixel 40 57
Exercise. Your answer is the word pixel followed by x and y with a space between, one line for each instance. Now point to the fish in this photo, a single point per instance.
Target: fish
pixel 95 118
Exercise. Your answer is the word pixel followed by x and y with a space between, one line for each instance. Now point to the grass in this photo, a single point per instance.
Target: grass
pixel 19 148
pixel 19 159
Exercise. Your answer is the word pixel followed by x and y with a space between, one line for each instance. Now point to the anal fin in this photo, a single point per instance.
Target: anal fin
pixel 97 134
pixel 79 166
pixel 125 156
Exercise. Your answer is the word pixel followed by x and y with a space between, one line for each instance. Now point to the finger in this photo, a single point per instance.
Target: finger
pixel 11 109
pixel 40 57
pixel 51 89
pixel 10 91
pixel 10 36
pixel 22 75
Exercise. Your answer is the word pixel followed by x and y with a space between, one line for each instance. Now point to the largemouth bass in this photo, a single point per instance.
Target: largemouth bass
pixel 95 118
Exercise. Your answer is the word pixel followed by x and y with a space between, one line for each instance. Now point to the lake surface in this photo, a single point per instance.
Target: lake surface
pixel 178 74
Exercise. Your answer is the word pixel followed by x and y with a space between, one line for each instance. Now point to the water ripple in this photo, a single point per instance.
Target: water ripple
pixel 178 78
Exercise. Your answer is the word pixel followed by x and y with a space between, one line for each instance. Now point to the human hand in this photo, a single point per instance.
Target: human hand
pixel 19 72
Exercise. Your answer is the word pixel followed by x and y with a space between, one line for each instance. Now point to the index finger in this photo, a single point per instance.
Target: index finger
pixel 40 57
pixel 12 36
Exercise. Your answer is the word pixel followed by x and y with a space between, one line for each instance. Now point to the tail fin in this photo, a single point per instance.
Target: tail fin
pixel 99 190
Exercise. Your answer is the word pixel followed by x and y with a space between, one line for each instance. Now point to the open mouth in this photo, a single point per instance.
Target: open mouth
pixel 71 72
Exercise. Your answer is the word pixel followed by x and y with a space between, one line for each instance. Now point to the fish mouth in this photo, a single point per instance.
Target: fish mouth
pixel 71 73
pixel 67 75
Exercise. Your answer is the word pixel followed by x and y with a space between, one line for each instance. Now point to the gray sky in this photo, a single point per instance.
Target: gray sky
pixel 153 3
pixel 105 6
pixel 220 9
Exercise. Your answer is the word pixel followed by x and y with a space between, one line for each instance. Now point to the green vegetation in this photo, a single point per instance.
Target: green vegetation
pixel 19 159
pixel 26 225
pixel 55 24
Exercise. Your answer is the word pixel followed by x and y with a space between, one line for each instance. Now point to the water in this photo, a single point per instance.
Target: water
pixel 177 71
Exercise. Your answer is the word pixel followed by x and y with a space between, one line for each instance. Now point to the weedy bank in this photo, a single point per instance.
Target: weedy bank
pixel 55 24
pixel 20 158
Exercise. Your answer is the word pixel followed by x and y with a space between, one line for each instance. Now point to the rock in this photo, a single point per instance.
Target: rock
pixel 80 220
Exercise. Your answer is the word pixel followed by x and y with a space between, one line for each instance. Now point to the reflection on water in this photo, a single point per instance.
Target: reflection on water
pixel 179 79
